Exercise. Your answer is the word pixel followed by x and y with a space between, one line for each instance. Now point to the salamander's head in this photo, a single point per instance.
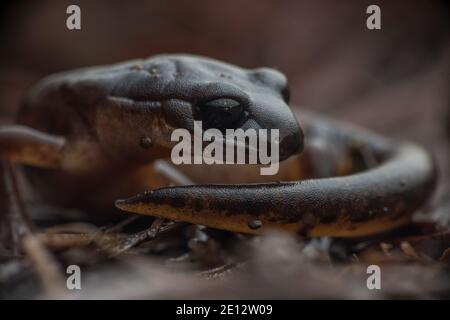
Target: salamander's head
pixel 168 92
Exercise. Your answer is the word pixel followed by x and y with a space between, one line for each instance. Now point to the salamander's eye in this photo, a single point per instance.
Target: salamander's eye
pixel 222 113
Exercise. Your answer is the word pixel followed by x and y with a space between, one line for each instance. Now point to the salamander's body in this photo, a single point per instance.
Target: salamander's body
pixel 113 121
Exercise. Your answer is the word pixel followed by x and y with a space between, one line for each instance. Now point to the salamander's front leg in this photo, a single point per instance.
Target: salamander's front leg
pixel 26 145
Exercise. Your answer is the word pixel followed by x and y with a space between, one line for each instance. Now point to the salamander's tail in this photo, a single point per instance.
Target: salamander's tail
pixel 364 203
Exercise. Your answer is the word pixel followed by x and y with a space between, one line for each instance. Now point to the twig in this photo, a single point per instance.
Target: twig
pixel 122 224
pixel 158 225
pixel 45 264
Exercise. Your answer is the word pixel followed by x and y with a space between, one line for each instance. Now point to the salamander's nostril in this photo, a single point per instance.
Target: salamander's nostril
pixel 222 113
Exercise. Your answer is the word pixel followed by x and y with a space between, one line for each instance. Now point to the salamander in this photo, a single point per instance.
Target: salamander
pixel 85 138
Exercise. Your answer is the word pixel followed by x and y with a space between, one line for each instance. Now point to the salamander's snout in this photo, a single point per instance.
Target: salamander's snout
pixel 290 134
pixel 291 144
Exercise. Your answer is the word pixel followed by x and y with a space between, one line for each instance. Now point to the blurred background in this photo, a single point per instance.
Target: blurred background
pixel 394 80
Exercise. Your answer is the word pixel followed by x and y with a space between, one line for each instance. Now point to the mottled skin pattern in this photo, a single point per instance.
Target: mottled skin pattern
pixel 103 114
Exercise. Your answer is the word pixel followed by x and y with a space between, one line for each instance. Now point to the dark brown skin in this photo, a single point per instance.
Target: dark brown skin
pixel 114 120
